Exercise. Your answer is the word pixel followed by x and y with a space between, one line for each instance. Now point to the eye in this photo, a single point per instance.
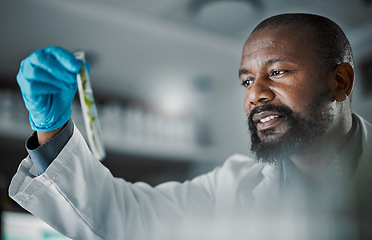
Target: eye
pixel 247 82
pixel 274 73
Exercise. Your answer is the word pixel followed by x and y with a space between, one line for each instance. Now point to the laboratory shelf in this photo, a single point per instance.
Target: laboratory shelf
pixel 126 130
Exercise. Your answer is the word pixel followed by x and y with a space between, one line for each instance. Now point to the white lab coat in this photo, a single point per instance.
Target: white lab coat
pixel 80 198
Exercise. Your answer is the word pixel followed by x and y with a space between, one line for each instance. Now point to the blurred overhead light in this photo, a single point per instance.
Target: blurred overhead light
pixel 225 16
pixel 196 5
pixel 171 97
pixel 172 103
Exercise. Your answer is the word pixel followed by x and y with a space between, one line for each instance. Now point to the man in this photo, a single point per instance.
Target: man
pixel 313 153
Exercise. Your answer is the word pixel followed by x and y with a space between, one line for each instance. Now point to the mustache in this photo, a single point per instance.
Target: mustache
pixel 284 111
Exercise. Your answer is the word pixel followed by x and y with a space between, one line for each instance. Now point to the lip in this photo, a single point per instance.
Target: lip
pixel 266 119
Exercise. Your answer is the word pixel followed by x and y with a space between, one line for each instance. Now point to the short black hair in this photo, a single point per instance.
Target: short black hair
pixel 329 40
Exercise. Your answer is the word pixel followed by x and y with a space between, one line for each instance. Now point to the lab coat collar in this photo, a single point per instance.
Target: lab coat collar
pixel 362 178
pixel 268 189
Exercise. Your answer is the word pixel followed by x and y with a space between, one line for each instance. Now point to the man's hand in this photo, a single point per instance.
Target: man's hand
pixel 47 79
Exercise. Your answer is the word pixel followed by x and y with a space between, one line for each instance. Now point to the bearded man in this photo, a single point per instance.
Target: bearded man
pixel 313 153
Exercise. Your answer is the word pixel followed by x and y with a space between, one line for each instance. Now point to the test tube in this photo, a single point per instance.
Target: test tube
pixel 88 107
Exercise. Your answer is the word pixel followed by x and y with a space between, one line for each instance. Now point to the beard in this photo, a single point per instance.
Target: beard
pixel 300 134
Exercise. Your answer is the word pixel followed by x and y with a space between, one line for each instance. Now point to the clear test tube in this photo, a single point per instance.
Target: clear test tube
pixel 88 107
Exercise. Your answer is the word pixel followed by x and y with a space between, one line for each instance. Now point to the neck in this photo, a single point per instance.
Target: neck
pixel 314 161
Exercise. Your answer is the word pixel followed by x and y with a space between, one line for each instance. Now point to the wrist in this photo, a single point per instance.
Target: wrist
pixel 44 137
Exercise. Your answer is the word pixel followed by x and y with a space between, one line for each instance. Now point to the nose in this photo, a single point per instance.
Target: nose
pixel 259 93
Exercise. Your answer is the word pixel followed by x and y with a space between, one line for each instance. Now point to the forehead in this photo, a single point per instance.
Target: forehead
pixel 287 41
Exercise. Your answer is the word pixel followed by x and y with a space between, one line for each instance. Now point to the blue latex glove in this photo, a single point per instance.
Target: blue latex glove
pixel 48 83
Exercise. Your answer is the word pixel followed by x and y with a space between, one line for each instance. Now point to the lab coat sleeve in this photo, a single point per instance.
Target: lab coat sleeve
pixel 42 156
pixel 80 198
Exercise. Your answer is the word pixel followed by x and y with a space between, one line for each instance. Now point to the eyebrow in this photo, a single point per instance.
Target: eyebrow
pixel 242 71
pixel 267 63
pixel 275 60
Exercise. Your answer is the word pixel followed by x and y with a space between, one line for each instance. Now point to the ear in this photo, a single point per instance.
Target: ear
pixel 344 80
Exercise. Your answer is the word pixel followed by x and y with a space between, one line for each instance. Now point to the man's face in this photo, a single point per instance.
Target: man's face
pixel 288 98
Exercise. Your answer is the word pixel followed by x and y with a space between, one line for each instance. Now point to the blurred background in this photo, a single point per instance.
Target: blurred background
pixel 164 75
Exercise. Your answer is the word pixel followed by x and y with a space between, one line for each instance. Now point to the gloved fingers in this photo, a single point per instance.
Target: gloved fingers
pixel 65 58
pixel 47 79
pixel 34 88
pixel 39 106
pixel 34 81
pixel 47 62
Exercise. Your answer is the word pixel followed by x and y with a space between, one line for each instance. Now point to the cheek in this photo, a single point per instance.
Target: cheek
pixel 296 98
pixel 310 104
